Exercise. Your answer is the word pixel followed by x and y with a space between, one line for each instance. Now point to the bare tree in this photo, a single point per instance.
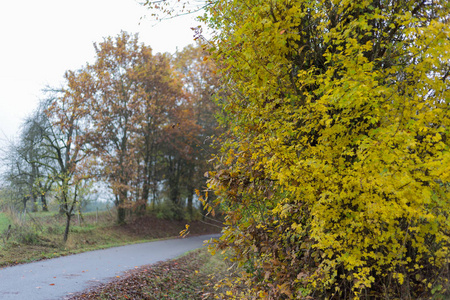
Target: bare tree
pixel 24 160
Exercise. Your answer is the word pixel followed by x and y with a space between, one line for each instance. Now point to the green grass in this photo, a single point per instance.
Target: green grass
pixel 4 222
pixel 40 236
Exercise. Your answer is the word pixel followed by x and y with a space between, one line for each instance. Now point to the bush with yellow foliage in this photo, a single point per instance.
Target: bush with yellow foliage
pixel 334 174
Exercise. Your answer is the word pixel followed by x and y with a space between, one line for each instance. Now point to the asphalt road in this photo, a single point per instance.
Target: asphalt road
pixel 60 277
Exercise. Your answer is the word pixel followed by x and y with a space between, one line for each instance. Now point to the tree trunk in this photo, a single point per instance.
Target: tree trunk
pixel 121 215
pixel 121 211
pixel 34 207
pixel 147 178
pixel 189 206
pixel 144 197
pixel 43 199
pixel 174 192
pixel 44 203
pixel 190 190
pixel 66 231
pixel 24 201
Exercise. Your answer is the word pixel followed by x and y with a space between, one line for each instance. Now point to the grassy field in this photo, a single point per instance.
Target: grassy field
pixel 4 222
pixel 38 236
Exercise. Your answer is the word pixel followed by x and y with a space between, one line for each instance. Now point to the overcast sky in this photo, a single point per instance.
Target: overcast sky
pixel 42 39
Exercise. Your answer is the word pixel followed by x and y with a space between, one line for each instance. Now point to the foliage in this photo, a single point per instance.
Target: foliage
pixel 67 142
pixel 334 173
pixel 145 126
pixel 167 210
pixel 201 83
pixel 127 110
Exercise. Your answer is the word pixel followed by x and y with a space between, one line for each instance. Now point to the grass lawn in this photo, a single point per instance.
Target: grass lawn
pixel 4 222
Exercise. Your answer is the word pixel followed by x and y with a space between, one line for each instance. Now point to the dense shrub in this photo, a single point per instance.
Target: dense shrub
pixel 334 174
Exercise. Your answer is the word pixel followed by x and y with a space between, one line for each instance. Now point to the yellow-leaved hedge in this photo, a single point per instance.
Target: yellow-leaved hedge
pixel 334 174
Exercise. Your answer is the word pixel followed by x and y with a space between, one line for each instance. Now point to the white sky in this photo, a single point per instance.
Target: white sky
pixel 42 39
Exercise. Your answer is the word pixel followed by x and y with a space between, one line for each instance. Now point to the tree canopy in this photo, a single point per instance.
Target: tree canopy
pixel 334 174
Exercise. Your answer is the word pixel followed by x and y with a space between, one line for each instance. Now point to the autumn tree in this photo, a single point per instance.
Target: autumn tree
pixel 201 84
pixel 67 140
pixel 113 107
pixel 136 95
pixel 178 154
pixel 334 175
pixel 159 96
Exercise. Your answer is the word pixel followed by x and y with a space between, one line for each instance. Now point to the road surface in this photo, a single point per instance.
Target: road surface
pixel 60 277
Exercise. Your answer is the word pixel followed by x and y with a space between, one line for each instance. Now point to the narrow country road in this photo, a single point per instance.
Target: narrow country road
pixel 60 277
